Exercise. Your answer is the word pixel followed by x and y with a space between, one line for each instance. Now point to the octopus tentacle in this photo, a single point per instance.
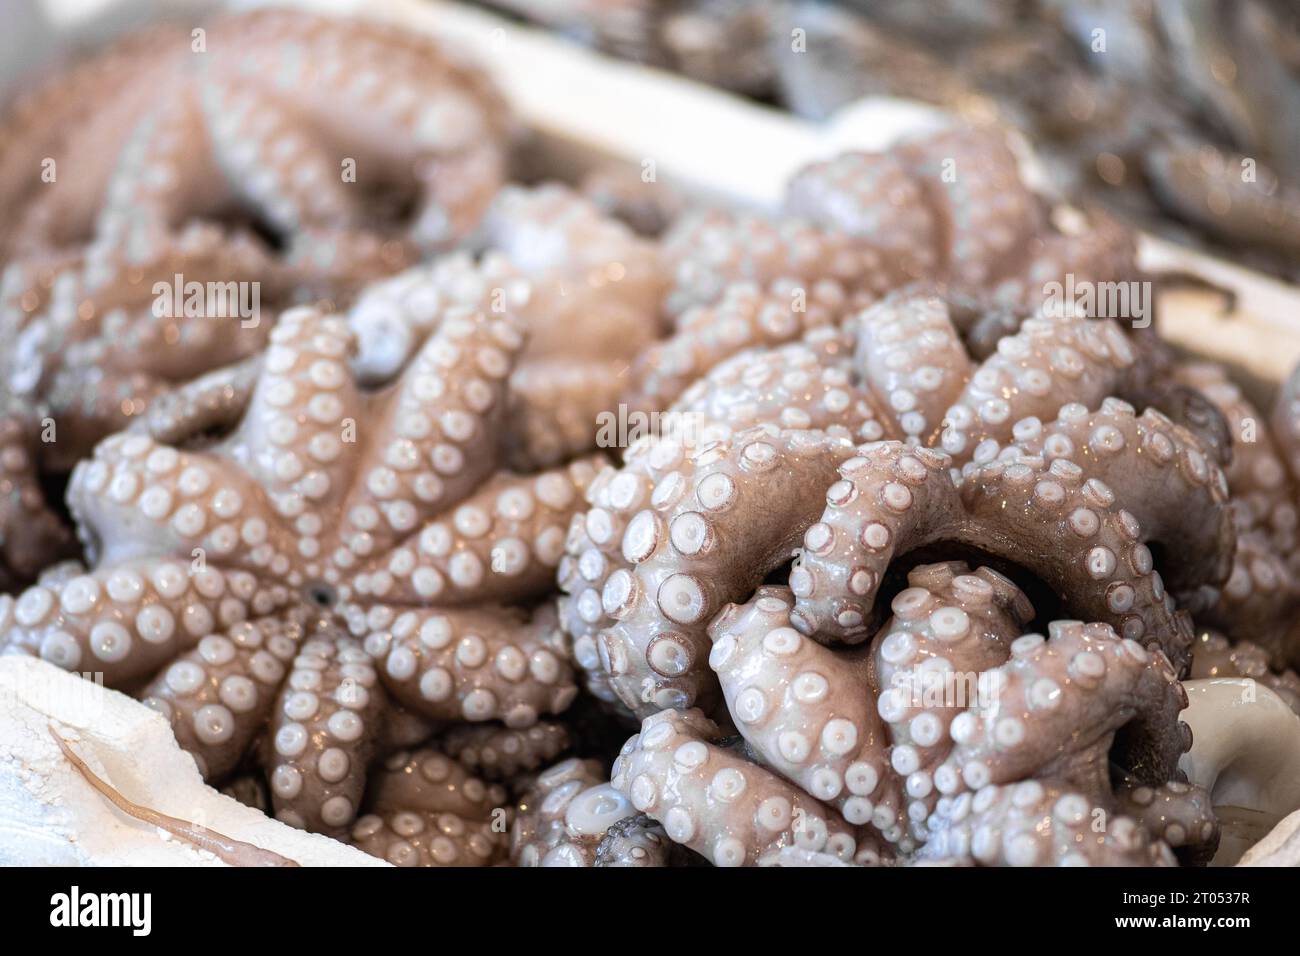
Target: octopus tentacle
pixel 659 552
pixel 504 753
pixel 911 359
pixel 952 207
pixel 127 619
pixel 31 535
pixel 429 781
pixel 319 743
pixel 1179 814
pixel 984 213
pixel 501 542
pixel 406 838
pixel 565 817
pixel 1029 824
pixel 428 810
pixel 440 429
pixel 1072 531
pixel 190 502
pixel 1051 361
pixel 1056 707
pixel 706 252
pixel 873 196
pixel 219 695
pixel 1131 454
pixel 591 279
pixel 212 402
pixel 804 709
pixel 474 664
pixel 744 316
pixel 716 803
pixel 795 386
pixel 936 657
pixel 555 405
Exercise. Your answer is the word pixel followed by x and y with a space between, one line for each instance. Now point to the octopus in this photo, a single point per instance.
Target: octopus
pixel 953 207
pixel 868 754
pixel 574 817
pixel 585 286
pixel 1259 599
pixel 945 215
pixel 848 435
pixel 155 199
pixel 329 579
pixel 1017 468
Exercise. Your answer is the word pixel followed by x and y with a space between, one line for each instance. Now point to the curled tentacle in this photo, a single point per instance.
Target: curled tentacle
pixel 1028 824
pixel 1177 813
pixel 660 552
pixel 745 315
pixel 570 816
pixel 1130 454
pixel 714 802
pixel 1071 531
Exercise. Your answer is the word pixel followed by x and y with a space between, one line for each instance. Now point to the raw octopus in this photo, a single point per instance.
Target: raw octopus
pixel 272 155
pixel 218 590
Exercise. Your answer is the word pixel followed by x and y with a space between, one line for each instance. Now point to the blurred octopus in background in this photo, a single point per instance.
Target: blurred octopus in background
pixel 1172 114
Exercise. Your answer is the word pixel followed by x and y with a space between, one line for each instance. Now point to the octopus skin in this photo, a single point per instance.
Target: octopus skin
pixel 660 552
pixel 952 207
pixel 426 810
pixel 1257 602
pixel 502 753
pixel 219 589
pixel 572 816
pixel 1215 656
pixel 32 536
pixel 705 252
pixel 586 288
pixel 846 736
pixel 745 316
pixel 1052 518
pixel 171 160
